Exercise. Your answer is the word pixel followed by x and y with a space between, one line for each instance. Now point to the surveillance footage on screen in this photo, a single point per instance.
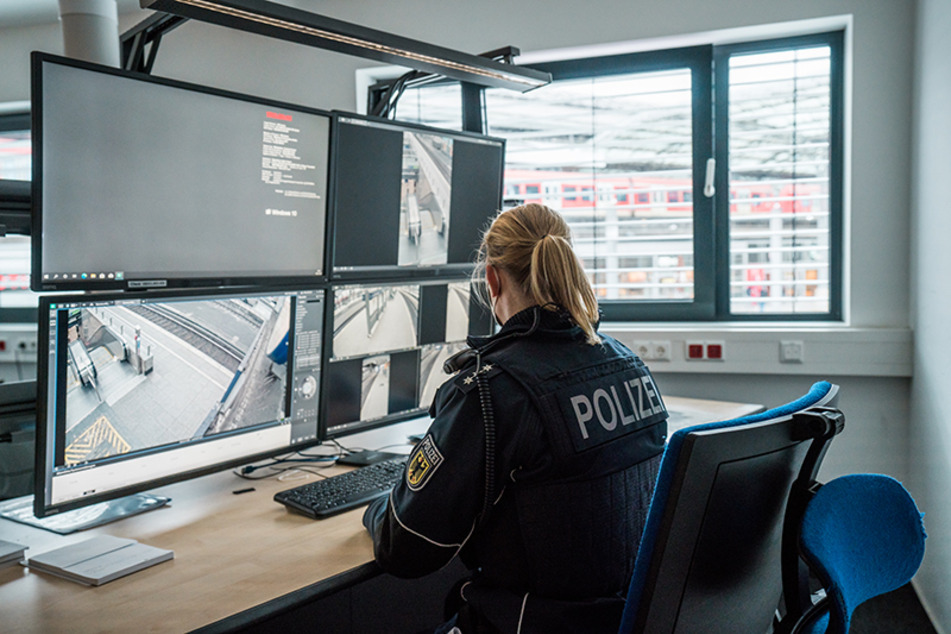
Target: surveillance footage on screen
pixel 152 374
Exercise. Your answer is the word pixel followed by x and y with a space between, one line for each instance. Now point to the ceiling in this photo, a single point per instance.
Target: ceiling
pixel 25 12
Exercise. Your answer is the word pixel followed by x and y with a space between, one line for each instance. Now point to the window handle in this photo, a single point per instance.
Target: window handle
pixel 708 188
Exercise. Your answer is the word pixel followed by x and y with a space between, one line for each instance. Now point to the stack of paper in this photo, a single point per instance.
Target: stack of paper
pixel 10 553
pixel 99 560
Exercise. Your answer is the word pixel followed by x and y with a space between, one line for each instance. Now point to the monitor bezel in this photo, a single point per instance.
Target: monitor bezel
pixel 43 471
pixel 390 419
pixel 172 281
pixel 397 272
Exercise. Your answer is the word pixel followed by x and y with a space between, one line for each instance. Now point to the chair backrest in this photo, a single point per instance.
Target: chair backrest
pixel 709 559
pixel 862 535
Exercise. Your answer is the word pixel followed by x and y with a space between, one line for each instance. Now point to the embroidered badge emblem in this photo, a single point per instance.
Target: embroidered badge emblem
pixel 423 462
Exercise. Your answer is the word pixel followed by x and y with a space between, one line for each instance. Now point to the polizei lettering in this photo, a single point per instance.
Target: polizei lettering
pixel 610 407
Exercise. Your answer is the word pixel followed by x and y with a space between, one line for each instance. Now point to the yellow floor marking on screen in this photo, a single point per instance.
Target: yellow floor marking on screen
pixel 98 440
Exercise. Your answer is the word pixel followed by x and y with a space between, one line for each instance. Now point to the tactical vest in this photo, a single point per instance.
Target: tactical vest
pixel 580 517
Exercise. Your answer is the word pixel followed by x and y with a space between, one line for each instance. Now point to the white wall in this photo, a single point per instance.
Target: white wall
pixel 15 47
pixel 879 194
pixel 931 261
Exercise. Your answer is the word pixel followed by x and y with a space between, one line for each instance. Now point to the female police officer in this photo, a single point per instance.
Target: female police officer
pixel 539 465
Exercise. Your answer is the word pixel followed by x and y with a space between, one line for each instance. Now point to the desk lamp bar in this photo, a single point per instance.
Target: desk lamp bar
pixel 294 25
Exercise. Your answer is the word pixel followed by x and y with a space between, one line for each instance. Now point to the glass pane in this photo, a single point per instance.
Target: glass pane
pixel 16 155
pixel 437 105
pixel 613 155
pixel 779 139
pixel 15 273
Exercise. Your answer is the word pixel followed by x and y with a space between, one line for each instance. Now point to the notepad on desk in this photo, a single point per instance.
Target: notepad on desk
pixel 10 553
pixel 99 560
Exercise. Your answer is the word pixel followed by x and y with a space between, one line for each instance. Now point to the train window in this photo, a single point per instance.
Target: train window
pixel 767 245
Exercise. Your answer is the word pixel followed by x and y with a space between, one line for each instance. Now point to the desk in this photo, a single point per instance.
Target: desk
pixel 232 552
pixel 686 412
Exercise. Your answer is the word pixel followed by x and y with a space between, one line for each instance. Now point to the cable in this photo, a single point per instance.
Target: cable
pixel 288 462
pixel 488 415
pixel 278 471
pixel 286 459
pixel 488 423
pixel 351 450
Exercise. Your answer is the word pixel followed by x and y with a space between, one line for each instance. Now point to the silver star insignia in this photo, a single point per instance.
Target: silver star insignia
pixel 469 379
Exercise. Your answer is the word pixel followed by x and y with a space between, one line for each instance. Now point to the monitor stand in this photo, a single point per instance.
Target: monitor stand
pixel 21 510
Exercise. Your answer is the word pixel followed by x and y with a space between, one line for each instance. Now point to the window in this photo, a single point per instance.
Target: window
pixel 784 177
pixel 17 302
pixel 16 152
pixel 603 134
pixel 620 146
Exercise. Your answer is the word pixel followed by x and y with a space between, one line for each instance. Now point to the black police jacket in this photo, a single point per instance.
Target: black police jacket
pixel 547 502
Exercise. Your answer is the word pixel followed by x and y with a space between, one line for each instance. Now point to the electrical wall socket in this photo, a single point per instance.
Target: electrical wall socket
pixel 704 350
pixel 660 350
pixel 791 351
pixel 642 349
pixel 652 350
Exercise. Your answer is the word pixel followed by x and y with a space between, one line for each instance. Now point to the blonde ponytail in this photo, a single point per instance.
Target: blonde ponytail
pixel 533 244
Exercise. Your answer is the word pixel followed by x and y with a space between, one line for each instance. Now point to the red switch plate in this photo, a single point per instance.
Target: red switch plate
pixel 695 351
pixel 714 351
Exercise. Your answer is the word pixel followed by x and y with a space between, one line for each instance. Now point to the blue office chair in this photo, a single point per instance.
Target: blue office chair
pixel 862 535
pixel 710 556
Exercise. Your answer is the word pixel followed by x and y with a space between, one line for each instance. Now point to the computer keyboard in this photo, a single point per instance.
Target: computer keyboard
pixel 342 492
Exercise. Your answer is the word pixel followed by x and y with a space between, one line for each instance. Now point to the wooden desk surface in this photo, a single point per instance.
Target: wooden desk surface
pixel 232 552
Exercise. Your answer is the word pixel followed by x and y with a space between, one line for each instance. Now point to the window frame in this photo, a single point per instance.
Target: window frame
pixel 835 41
pixel 698 59
pixel 711 223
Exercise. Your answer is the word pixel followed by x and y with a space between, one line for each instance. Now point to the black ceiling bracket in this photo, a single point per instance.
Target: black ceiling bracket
pixel 383 95
pixel 139 45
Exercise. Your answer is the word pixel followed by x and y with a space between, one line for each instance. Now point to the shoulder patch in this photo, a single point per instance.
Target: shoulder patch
pixel 422 463
pixel 466 380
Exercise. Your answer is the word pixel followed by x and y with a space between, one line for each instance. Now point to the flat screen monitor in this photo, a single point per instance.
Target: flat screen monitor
pixel 138 391
pixel 144 182
pixel 420 196
pixel 386 344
